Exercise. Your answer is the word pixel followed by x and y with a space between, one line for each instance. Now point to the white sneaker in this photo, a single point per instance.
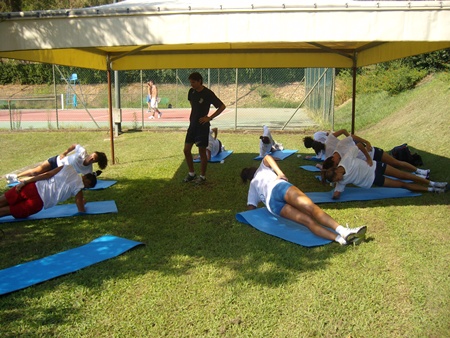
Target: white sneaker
pixel 349 234
pixel 159 115
pixel 11 178
pixel 438 184
pixel 151 117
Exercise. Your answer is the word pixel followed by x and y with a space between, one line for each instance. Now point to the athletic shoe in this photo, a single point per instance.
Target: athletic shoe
pixel 200 180
pixel 423 172
pixel 11 178
pixel 438 184
pixel 438 190
pixel 151 117
pixel 352 233
pixel 189 178
pixel 355 241
pixel 159 115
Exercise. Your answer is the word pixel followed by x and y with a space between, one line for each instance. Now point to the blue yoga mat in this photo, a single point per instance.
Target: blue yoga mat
pixel 392 178
pixel 101 184
pixel 67 210
pixel 24 275
pixel 314 158
pixel 279 154
pixel 310 168
pixel 359 194
pixel 262 220
pixel 219 157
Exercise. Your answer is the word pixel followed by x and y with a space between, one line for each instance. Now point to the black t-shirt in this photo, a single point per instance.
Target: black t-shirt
pixel 201 103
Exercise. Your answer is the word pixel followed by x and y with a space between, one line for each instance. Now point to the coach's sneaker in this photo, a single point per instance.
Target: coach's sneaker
pixel 189 178
pixel 200 180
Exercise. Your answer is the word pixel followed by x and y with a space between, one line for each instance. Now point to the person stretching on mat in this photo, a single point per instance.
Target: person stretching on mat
pixel 215 147
pixel 267 144
pixel 352 170
pixel 269 185
pixel 377 154
pixel 79 159
pixel 45 191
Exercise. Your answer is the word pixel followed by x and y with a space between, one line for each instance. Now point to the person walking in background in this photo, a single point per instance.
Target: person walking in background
pixel 201 99
pixel 153 104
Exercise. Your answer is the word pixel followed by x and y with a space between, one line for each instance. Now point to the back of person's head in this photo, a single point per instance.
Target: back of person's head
pixel 196 76
pixel 92 180
pixel 247 174
pixel 330 174
pixel 102 160
pixel 308 142
pixel 265 139
pixel 97 173
pixel 318 147
pixel 328 163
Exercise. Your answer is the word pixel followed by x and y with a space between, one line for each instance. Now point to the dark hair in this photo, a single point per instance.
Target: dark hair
pixel 97 173
pixel 330 174
pixel 196 76
pixel 102 160
pixel 265 139
pixel 92 180
pixel 247 174
pixel 327 164
pixel 318 147
pixel 308 142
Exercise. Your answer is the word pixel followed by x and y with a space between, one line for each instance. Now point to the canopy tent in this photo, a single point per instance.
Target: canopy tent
pixel 227 34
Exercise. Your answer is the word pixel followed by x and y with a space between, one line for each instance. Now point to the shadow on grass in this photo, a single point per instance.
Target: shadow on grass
pixel 183 226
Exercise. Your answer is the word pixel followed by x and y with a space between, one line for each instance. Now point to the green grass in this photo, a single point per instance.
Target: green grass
pixel 203 274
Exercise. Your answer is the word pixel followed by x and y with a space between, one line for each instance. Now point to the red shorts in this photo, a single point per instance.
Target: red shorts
pixel 24 203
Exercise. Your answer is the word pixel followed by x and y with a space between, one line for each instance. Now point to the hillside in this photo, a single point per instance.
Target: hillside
pixel 422 121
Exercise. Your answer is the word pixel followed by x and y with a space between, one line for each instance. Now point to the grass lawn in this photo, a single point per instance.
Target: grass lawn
pixel 203 274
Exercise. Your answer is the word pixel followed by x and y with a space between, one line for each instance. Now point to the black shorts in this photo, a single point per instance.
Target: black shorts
pixel 379 174
pixel 378 154
pixel 198 134
pixel 52 161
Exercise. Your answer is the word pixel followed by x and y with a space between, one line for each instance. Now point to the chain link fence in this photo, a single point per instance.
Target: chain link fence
pixel 254 97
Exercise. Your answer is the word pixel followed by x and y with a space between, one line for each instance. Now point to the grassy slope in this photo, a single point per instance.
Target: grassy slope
pixel 202 273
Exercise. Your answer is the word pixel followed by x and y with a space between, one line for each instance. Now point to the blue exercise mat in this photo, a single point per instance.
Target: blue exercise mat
pixel 219 157
pixel 392 178
pixel 24 275
pixel 67 210
pixel 279 154
pixel 359 194
pixel 310 168
pixel 262 220
pixel 313 158
pixel 101 184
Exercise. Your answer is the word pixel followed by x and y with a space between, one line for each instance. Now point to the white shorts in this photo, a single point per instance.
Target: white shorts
pixel 154 103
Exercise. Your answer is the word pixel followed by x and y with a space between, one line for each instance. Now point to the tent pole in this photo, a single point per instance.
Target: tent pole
pixel 111 129
pixel 353 93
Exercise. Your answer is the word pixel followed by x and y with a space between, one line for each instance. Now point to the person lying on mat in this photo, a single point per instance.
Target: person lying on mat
pixel 267 144
pixel 45 191
pixel 352 170
pixel 325 146
pixel 75 156
pixel 215 147
pixel 269 185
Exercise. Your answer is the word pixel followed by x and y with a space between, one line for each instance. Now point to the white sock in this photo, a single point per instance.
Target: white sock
pixel 430 189
pixel 340 240
pixel 192 174
pixel 341 230
pixel 202 176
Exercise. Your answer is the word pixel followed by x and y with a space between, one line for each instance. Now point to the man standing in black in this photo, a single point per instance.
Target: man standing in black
pixel 201 99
